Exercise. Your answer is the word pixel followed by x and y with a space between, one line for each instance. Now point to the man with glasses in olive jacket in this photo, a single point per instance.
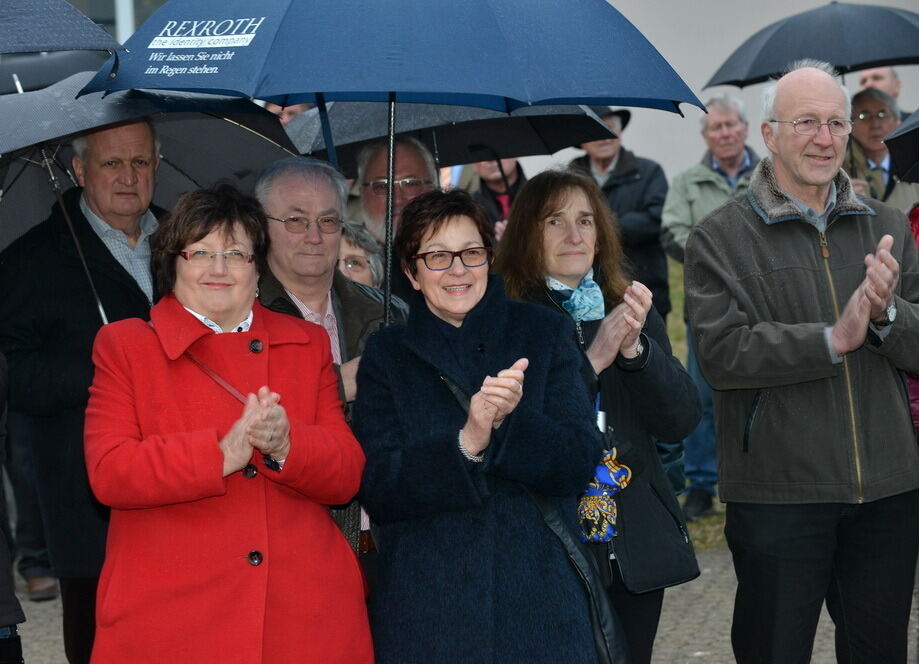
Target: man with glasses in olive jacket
pixel 802 300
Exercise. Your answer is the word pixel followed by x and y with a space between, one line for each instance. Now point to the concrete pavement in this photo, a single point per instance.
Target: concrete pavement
pixel 695 626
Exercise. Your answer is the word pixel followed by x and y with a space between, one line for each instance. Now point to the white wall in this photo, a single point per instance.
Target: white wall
pixel 695 37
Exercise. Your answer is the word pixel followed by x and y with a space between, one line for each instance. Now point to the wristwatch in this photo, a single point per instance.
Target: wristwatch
pixel 889 316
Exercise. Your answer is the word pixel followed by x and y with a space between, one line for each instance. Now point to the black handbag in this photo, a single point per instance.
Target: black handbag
pixel 609 637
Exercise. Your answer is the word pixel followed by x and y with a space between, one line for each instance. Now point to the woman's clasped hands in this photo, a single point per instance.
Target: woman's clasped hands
pixel 263 426
pixel 619 332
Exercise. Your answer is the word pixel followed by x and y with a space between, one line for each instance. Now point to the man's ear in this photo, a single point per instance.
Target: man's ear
pixel 768 132
pixel 77 164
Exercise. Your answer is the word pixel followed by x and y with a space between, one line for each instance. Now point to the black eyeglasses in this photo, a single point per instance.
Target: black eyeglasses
pixel 233 258
pixel 443 260
pixel 298 224
pixel 409 186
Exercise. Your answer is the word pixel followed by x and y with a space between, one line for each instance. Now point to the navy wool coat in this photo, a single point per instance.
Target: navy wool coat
pixel 469 572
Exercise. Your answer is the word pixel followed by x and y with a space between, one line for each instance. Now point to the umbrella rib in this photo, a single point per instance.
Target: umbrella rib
pixel 253 131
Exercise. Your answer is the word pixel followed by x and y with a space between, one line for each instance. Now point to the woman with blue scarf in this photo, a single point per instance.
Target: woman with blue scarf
pixel 561 249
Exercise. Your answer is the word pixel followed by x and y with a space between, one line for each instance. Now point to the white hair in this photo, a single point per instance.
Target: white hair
pixel 370 150
pixel 725 103
pixel 80 145
pixel 311 170
pixel 769 92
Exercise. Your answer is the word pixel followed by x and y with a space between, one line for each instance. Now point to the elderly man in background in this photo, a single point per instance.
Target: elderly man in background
pixel 723 172
pixel 635 189
pixel 804 306
pixel 884 79
pixel 414 173
pixel 48 321
pixel 304 200
pixel 875 115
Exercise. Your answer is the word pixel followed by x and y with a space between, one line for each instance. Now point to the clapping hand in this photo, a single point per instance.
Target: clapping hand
pixel 620 328
pixel 497 398
pixel 881 277
pixel 269 429
pixel 637 298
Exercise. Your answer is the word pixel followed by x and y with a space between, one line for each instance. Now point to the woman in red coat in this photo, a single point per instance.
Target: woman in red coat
pixel 221 548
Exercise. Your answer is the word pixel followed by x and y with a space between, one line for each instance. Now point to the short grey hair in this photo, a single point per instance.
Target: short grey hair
pixel 769 92
pixel 370 150
pixel 80 145
pixel 358 235
pixel 879 96
pixel 725 103
pixel 309 169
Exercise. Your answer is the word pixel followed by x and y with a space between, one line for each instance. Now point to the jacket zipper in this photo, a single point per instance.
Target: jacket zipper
pixel 825 252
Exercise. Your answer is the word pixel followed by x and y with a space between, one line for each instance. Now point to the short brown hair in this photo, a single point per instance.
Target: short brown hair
pixel 521 260
pixel 428 212
pixel 196 215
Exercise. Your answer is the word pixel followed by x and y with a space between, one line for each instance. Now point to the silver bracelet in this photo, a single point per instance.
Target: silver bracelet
pixel 475 458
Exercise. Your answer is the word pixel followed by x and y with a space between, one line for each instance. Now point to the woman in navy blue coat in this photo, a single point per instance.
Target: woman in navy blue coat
pixel 468 570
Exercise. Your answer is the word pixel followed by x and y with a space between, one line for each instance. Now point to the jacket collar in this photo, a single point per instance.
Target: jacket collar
pixel 271 294
pixel 754 160
pixel 177 330
pixel 773 205
pixel 481 328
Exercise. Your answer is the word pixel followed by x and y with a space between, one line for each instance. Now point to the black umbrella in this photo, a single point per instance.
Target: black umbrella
pixel 203 138
pixel 28 26
pixel 903 144
pixel 848 36
pixel 453 134
pixel 39 70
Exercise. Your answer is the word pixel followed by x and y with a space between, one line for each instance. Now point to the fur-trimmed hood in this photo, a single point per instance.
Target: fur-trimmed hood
pixel 773 205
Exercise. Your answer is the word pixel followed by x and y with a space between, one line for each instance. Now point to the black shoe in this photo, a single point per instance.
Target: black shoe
pixel 698 504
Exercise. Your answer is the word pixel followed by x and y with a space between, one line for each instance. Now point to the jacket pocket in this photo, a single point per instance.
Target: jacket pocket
pixel 751 420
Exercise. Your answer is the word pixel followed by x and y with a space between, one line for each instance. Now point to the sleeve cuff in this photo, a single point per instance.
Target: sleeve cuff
pixel 835 358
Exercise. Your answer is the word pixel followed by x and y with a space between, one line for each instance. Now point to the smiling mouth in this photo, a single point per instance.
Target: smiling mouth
pixel 461 288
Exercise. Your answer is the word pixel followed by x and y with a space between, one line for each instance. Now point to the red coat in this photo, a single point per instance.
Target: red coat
pixel 201 568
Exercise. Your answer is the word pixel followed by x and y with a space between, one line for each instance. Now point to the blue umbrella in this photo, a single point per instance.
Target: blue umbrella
pixel 496 54
pixel 28 26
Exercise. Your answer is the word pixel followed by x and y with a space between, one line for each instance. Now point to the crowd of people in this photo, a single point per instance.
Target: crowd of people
pixel 231 458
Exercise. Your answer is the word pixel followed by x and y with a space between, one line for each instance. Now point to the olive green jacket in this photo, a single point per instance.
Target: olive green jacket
pixel 762 287
pixel 693 195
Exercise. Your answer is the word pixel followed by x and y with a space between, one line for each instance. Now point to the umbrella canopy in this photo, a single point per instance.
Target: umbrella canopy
pixel 39 70
pixel 498 54
pixel 903 144
pixel 453 134
pixel 848 36
pixel 28 26
pixel 203 139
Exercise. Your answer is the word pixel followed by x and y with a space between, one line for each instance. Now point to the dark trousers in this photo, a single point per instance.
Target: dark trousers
pixel 639 615
pixel 78 599
pixel 29 536
pixel 789 559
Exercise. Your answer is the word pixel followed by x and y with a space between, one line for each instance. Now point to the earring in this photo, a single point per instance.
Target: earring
pixel 256 292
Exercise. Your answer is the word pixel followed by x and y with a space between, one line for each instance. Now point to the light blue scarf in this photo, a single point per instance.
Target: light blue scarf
pixel 584 302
